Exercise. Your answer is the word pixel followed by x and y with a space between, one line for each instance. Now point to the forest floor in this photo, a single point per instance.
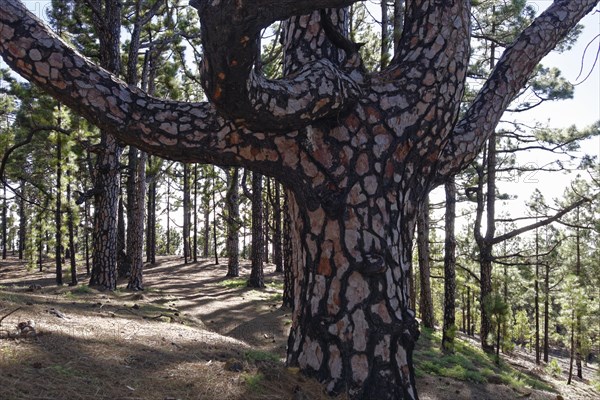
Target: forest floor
pixel 194 334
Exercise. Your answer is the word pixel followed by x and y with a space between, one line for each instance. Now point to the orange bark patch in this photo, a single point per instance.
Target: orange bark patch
pixel 221 76
pixel 324 267
pixel 402 151
pixel 234 138
pixel 352 122
pixel 218 93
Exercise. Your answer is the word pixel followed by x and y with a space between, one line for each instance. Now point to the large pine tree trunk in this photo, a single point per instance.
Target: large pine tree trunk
pixel 104 240
pixel 352 328
pixel 107 182
pixel 359 151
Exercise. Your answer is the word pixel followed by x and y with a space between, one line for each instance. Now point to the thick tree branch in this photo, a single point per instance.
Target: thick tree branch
pixel 541 223
pixel 508 77
pixel 231 36
pixel 192 132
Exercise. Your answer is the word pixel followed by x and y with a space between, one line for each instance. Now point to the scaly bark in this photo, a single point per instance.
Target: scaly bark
pixel 232 209
pixel 449 328
pixel 357 152
pixel 425 298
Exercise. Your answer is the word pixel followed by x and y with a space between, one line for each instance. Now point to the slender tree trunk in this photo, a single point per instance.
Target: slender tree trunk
pixel 22 220
pixel 206 230
pixel 132 199
pixel 266 217
pixel 186 213
pixel 578 326
pixel 572 342
pixel 385 36
pixel 398 23
pixel 195 243
pixel 288 279
pixel 123 259
pixel 256 273
pixel 71 229
pixel 151 219
pixel 277 245
pixel 4 225
pixel 425 299
pixel 136 281
pixel 86 231
pixel 546 311
pixel 463 306
pixel 215 223
pixel 58 211
pixel 469 330
pixel 232 208
pixel 168 214
pixel 449 328
pixel 537 299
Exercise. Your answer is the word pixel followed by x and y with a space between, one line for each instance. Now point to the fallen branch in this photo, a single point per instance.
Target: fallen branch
pixel 12 312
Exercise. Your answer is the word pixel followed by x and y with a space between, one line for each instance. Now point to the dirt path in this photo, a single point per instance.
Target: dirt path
pixel 189 335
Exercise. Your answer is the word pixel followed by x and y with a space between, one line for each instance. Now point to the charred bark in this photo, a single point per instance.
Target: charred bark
pixel 256 273
pixel 233 222
pixel 357 152
pixel 449 328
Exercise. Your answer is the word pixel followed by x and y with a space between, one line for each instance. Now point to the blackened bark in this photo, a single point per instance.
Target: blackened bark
pixel 123 261
pixel 108 183
pixel 186 213
pixel 214 212
pixel 4 225
pixel 266 222
pixel 425 298
pixel 22 220
pixel 288 279
pixel 132 167
pixel 104 247
pixel 256 273
pixel 536 290
pixel 358 155
pixel 136 281
pixel 546 311
pixel 195 224
pixel 151 219
pixel 277 245
pixel 71 229
pixel 232 209
pixel 449 327
pixel 58 211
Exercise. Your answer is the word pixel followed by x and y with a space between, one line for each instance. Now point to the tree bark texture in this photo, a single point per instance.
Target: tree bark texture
pixel 449 328
pixel 58 254
pixel 256 273
pixel 277 222
pixel 425 299
pixel 104 239
pixel 136 237
pixel 357 151
pixel 232 208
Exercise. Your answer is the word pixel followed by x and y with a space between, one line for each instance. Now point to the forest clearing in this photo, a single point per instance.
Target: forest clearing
pixel 196 334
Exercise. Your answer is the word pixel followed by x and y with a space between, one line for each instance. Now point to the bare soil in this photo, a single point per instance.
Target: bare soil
pixel 192 334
